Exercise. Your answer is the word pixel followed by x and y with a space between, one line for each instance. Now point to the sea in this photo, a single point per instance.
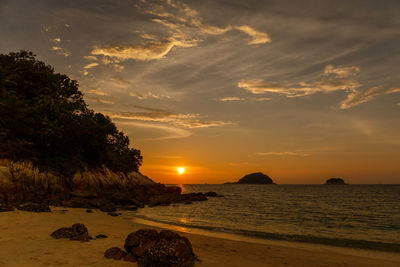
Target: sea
pixel 356 216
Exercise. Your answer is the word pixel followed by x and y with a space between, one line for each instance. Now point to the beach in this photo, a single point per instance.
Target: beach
pixel 25 241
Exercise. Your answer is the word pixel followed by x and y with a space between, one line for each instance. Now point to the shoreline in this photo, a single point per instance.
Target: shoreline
pixel 25 241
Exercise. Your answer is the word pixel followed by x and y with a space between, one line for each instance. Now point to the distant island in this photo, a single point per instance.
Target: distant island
pixel 335 181
pixel 254 178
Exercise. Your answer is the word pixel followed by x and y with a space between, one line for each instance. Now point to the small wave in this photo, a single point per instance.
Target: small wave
pixel 339 242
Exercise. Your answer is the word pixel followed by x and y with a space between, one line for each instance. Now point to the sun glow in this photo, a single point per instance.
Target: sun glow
pixel 181 170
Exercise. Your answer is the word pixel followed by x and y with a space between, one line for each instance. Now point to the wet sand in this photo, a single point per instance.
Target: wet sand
pixel 25 241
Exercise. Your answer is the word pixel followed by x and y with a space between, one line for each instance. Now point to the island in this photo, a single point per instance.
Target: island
pixel 254 178
pixel 335 181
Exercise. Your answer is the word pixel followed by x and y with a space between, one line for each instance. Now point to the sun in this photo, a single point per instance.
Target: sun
pixel 181 170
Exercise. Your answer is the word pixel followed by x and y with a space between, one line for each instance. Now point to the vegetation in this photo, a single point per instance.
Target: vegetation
pixel 44 119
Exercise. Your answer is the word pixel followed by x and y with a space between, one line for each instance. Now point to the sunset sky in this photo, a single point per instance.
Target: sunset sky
pixel 300 90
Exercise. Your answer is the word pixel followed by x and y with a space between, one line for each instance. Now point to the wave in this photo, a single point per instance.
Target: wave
pixel 338 242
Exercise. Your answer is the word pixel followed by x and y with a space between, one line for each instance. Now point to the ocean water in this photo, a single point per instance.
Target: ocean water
pixel 359 216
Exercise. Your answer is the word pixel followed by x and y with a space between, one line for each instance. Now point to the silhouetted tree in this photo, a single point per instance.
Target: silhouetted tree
pixel 44 119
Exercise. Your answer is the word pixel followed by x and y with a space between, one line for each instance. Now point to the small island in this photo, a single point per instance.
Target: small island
pixel 335 181
pixel 254 178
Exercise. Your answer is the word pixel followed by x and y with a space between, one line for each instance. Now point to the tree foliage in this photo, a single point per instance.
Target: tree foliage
pixel 44 119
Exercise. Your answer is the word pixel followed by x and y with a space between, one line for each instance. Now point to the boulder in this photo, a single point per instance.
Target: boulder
pixel 101 236
pixel 138 242
pixel 109 207
pixel 166 248
pixel 115 253
pixel 35 207
pixel 77 232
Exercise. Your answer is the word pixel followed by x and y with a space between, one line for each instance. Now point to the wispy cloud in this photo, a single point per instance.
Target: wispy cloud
pixel 297 153
pixel 341 72
pixel 96 91
pixel 231 98
pixel 148 95
pixel 170 132
pixel 184 120
pixel 149 51
pixel 258 37
pixel 358 97
pixel 91 65
pixel 186 28
pixel 333 79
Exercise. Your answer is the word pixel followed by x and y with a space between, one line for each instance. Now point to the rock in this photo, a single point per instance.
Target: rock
pixel 138 242
pixel 114 214
pixel 108 208
pixel 130 207
pixel 89 211
pixel 77 232
pixel 171 250
pixel 129 257
pixel 114 253
pixel 193 197
pixel 335 181
pixel 255 178
pixel 35 207
pixel 212 194
pixel 4 208
pixel 101 236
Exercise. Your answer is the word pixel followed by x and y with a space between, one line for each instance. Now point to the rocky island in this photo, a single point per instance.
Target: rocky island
pixel 335 181
pixel 255 178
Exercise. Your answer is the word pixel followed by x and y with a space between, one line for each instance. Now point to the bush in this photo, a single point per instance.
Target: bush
pixel 44 119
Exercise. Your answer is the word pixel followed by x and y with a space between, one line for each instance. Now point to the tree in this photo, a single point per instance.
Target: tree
pixel 44 119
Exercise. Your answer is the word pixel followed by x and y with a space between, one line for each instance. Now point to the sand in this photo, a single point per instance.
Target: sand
pixel 25 241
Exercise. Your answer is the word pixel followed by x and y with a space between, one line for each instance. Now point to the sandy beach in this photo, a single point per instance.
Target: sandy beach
pixel 25 241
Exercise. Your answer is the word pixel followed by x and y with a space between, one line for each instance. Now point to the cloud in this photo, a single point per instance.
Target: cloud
pixel 99 100
pixel 341 72
pixel 258 37
pixel 90 57
pixel 263 98
pixel 150 51
pixel 297 153
pixel 332 80
pixel 171 132
pixel 60 51
pixel 231 98
pixel 185 29
pixel 96 92
pixel 184 120
pixel 148 95
pixel 91 65
pixel 358 97
pixel 119 80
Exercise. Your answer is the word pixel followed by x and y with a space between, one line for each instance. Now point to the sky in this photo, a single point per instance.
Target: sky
pixel 299 90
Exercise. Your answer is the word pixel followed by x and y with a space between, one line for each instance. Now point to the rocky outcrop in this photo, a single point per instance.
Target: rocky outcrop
pixel 35 207
pixel 77 232
pixel 150 248
pixel 255 178
pixel 335 181
pixel 91 189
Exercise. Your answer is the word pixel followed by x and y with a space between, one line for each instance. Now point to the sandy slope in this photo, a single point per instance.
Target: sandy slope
pixel 25 241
